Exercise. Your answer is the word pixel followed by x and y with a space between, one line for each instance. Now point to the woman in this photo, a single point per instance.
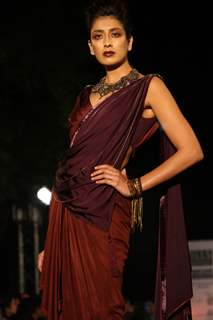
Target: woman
pixel 91 215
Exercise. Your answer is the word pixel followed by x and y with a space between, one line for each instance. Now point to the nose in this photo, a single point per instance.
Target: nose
pixel 107 42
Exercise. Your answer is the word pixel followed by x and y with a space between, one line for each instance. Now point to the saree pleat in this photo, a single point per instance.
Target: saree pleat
pixel 82 278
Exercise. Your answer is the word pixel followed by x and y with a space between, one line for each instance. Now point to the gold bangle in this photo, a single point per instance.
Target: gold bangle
pixel 136 192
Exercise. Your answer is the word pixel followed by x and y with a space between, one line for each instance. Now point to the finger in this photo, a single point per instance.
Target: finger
pixel 106 181
pixel 105 171
pixel 105 175
pixel 104 166
pixel 101 177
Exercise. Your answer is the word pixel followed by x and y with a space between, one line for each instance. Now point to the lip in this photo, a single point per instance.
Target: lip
pixel 108 53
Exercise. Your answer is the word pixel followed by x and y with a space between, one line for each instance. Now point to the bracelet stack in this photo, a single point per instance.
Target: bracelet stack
pixel 136 192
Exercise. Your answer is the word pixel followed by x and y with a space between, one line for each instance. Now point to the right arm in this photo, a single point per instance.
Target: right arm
pixel 40 260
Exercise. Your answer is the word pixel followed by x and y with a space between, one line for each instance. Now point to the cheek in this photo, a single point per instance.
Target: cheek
pixel 97 50
pixel 123 44
pixel 123 48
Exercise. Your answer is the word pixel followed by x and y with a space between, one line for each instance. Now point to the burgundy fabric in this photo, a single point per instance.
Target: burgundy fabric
pixel 83 265
pixel 87 239
pixel 173 279
pixel 103 135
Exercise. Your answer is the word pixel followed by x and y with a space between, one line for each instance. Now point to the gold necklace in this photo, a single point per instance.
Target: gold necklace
pixel 103 88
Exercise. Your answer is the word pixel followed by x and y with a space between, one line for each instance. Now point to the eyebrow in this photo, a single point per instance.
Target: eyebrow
pixel 101 30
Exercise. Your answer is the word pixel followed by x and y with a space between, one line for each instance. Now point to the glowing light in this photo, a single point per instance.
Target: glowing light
pixel 44 195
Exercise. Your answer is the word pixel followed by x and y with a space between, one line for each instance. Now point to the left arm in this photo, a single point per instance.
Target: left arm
pixel 178 130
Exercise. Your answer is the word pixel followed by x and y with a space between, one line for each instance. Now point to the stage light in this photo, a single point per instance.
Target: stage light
pixel 44 195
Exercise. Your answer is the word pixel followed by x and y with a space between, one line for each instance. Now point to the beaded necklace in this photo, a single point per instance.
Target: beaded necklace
pixel 103 88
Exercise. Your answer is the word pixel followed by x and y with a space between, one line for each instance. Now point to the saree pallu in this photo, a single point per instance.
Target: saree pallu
pixel 88 234
pixel 100 135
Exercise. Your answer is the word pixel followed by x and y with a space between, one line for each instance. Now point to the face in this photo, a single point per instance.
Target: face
pixel 108 41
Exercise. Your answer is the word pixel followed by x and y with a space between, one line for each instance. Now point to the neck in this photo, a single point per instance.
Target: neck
pixel 114 75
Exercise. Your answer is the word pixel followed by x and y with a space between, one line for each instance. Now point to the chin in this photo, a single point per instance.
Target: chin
pixel 112 65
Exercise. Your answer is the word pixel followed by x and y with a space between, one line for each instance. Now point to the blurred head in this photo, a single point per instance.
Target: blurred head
pixel 110 32
pixel 10 305
pixel 13 306
pixel 149 307
pixel 129 306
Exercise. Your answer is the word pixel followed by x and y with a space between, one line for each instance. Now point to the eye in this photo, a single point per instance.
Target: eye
pixel 97 36
pixel 116 34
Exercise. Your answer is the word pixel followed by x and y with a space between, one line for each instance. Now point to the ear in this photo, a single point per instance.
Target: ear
pixel 91 48
pixel 130 42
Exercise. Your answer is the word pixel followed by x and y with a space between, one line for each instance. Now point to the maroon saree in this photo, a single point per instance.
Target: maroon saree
pixel 89 225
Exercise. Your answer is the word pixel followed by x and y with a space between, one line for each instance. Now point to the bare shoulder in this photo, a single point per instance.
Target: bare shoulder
pixel 157 85
pixel 171 118
pixel 158 93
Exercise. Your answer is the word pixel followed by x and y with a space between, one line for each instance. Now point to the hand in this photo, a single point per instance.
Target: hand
pixel 40 260
pixel 106 174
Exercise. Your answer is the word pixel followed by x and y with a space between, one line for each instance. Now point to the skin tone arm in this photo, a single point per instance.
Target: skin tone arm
pixel 178 131
pixel 40 260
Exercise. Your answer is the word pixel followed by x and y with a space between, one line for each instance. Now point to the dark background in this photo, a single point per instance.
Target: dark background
pixel 44 62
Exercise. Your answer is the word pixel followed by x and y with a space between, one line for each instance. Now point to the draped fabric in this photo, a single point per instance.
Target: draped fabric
pixel 83 265
pixel 173 278
pixel 103 136
pixel 88 234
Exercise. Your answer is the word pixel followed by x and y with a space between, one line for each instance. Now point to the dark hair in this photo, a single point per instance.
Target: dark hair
pixel 117 8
